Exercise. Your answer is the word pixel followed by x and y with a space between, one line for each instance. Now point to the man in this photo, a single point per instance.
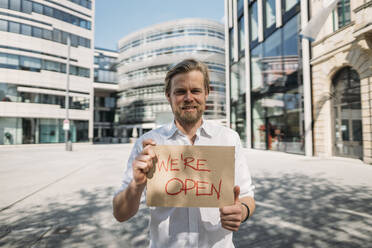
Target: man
pixel 187 89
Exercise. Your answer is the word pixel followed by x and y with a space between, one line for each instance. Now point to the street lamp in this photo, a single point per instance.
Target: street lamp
pixel 66 122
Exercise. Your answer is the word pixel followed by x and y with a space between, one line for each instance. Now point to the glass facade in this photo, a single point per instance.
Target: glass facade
pixel 169 34
pixel 26 63
pixel 277 121
pixel 19 93
pixel 238 99
pixel 105 62
pixel 253 22
pixel 106 69
pixel 270 15
pixel 37 131
pixel 277 109
pixel 28 7
pixel 55 35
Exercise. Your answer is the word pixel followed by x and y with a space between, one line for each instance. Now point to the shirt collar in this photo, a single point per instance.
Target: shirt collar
pixel 202 130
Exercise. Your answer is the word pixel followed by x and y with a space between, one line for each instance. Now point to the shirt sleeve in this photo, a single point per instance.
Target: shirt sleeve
pixel 128 174
pixel 242 174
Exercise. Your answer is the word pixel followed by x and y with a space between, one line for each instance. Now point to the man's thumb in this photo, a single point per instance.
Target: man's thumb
pixel 236 193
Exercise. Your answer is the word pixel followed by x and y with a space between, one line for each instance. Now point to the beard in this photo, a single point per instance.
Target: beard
pixel 188 118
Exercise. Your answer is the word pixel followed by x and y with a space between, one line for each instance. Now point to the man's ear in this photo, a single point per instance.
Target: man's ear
pixel 167 96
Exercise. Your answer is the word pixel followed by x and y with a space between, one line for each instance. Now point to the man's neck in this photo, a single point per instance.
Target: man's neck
pixel 189 129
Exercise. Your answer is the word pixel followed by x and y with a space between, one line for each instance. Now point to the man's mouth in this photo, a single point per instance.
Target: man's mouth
pixel 188 107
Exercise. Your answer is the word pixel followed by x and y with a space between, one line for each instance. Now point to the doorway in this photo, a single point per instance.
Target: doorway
pixel 347 114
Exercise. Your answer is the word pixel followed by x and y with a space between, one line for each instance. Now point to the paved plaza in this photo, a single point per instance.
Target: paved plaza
pixel 53 198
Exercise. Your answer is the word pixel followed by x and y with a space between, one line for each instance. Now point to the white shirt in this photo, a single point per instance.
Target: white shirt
pixel 192 227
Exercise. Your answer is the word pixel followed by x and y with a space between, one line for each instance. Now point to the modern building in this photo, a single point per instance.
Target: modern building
pixel 105 88
pixel 33 70
pixel 289 94
pixel 144 58
pixel 265 74
pixel 341 65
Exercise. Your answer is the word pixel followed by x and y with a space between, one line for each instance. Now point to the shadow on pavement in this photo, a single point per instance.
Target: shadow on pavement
pixel 87 222
pixel 294 210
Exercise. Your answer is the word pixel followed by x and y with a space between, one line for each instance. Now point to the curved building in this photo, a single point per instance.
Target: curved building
pixel 146 55
pixel 33 66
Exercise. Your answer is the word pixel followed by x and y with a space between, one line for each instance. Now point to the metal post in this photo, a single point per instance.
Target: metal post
pixel 67 121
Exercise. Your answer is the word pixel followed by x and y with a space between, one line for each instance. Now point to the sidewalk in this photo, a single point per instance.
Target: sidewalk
pixel 54 198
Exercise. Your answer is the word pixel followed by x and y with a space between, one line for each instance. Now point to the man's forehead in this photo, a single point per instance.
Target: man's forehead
pixel 190 74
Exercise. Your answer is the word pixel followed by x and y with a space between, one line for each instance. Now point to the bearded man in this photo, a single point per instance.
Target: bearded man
pixel 187 90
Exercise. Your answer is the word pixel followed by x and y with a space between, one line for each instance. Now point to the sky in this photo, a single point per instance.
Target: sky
pixel 114 19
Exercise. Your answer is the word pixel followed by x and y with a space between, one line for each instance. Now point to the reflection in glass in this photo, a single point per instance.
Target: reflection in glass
pixel 237 98
pixel 241 36
pixel 347 114
pixel 231 45
pixel 269 13
pixel 277 113
pixel 289 4
pixel 253 21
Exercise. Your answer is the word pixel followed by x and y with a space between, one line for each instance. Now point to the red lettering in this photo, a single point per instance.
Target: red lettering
pixel 198 187
pixel 198 164
pixel 171 180
pixel 187 162
pixel 186 188
pixel 219 189
pixel 161 163
pixel 173 162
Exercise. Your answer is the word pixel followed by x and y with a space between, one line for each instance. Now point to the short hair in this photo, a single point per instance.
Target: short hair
pixel 185 66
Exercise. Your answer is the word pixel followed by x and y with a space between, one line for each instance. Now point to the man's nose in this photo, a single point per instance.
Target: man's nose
pixel 188 96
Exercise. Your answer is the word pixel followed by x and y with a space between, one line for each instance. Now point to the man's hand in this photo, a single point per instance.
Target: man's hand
pixel 143 163
pixel 231 216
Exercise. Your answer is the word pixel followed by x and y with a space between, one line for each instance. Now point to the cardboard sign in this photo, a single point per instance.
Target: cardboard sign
pixel 192 176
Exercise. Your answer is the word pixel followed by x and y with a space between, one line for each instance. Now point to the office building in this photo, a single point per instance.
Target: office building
pixel 290 94
pixel 144 58
pixel 105 88
pixel 33 70
pixel 264 74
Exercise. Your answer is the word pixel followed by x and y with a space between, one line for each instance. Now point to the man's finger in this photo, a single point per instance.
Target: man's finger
pixel 148 142
pixel 149 151
pixel 236 194
pixel 140 165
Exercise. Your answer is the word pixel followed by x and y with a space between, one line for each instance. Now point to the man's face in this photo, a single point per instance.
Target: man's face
pixel 187 97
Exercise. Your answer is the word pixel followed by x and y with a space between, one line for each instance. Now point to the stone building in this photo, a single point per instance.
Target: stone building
pixel 342 81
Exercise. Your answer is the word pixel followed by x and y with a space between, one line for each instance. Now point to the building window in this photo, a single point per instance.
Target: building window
pixel 240 6
pixel 289 4
pixel 253 17
pixel 47 34
pixel 277 113
pixel 15 5
pixel 4 4
pixel 3 25
pixel 37 8
pixel 231 45
pixel 26 29
pixel 14 27
pixel 237 98
pixel 270 14
pixel 31 64
pixel 26 6
pixel 241 36
pixel 341 16
pixel 37 32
